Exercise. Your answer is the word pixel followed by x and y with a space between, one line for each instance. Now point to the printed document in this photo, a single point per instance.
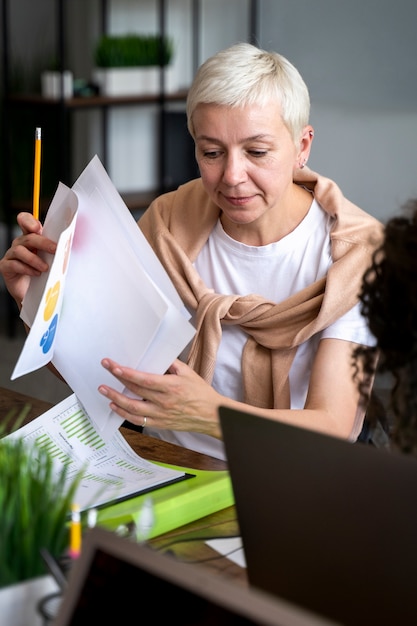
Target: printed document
pixel 106 295
pixel 112 471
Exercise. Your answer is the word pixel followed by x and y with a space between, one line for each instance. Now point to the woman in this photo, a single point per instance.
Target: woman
pixel 389 303
pixel 266 255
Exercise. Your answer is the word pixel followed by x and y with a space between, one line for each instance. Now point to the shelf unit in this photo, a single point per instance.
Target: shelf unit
pixel 63 109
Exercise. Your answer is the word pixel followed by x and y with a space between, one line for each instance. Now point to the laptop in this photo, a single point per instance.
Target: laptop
pixel 325 524
pixel 115 576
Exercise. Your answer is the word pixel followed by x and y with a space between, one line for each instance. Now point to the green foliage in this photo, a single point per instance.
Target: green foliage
pixel 133 51
pixel 35 501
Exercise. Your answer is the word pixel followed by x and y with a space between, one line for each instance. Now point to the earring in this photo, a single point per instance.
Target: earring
pixel 303 164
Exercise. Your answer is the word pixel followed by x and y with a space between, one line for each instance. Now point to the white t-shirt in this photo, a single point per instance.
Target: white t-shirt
pixel 274 271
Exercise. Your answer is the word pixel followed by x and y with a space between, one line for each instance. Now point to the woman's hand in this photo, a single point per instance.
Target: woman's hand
pixel 21 260
pixel 178 400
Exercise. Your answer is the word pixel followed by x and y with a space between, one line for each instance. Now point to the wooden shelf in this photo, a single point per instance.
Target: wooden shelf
pixel 96 101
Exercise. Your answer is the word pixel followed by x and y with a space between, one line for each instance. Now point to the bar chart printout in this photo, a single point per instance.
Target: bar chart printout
pixel 112 470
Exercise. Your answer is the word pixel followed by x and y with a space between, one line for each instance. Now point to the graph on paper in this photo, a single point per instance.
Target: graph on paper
pixel 111 469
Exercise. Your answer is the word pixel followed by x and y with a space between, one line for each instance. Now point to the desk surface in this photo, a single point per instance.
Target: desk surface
pixel 187 542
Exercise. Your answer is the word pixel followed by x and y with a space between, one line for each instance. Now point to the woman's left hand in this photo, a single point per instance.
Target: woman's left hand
pixel 178 400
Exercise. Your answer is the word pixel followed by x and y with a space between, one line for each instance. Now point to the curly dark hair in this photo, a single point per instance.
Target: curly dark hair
pixel 389 303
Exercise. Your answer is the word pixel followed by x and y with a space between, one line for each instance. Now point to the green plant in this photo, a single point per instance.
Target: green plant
pixel 133 50
pixel 35 501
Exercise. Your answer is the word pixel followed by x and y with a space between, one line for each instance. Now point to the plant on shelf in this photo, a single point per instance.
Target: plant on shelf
pixel 130 64
pixel 133 51
pixel 35 501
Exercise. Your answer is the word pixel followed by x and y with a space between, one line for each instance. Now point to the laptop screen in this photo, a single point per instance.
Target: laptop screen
pixel 326 524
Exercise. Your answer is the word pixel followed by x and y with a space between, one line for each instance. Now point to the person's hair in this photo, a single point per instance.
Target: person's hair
pixel 243 75
pixel 389 303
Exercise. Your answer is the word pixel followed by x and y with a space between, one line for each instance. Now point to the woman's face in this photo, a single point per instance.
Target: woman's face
pixel 246 158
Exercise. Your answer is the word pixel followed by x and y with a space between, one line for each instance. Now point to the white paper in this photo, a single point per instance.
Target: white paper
pixel 39 346
pixel 112 469
pixel 231 548
pixel 61 213
pixel 118 300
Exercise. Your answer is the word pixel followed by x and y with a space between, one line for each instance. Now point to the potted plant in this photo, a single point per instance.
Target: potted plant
pixel 35 502
pixel 130 64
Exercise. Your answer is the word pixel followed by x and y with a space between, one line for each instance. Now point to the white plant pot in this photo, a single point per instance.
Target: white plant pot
pixel 126 81
pixel 19 602
pixel 51 84
pixel 134 81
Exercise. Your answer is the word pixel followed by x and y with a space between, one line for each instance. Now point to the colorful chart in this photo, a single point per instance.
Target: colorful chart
pixel 39 345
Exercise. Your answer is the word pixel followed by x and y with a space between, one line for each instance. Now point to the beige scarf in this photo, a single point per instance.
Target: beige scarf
pixel 178 224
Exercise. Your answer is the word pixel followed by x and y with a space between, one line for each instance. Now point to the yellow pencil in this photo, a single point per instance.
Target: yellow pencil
pixel 37 173
pixel 75 532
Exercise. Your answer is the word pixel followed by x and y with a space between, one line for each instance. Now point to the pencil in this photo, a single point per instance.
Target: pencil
pixel 75 532
pixel 37 173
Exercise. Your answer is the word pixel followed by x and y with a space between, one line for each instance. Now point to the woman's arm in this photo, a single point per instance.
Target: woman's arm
pixel 182 400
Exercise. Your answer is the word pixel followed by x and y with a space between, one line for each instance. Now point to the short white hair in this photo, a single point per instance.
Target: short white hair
pixel 243 75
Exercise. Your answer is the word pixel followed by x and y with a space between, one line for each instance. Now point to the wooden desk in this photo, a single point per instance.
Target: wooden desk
pixel 188 542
